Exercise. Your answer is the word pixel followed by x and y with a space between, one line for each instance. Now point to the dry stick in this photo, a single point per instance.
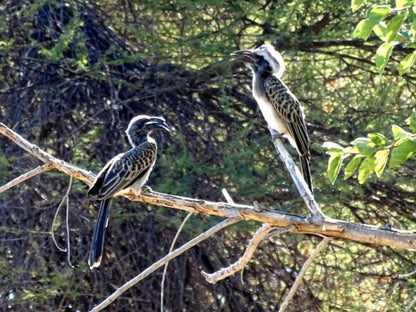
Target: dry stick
pixel 161 262
pixel 251 247
pixel 28 175
pixel 162 288
pixel 228 199
pixel 358 232
pixel 46 158
pixel 303 189
pixel 68 239
pixel 324 242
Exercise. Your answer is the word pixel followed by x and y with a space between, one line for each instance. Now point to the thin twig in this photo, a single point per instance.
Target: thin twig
pixel 227 196
pixel 161 262
pixel 324 242
pixel 407 274
pixel 162 288
pixel 68 238
pixel 28 175
pixel 68 242
pixel 239 265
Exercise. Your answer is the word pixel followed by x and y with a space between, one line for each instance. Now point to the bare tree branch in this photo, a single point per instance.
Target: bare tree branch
pixel 358 232
pixel 165 260
pixel 239 265
pixel 305 193
pixel 46 158
pixel 28 175
pixel 162 287
pixel 302 272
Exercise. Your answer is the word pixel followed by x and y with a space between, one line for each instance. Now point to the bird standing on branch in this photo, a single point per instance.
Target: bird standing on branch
pixel 280 108
pixel 130 169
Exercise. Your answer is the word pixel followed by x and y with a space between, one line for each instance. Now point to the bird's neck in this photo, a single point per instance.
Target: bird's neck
pixel 136 140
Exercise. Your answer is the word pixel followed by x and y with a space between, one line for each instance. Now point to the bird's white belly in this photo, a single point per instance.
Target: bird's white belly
pixel 137 186
pixel 269 113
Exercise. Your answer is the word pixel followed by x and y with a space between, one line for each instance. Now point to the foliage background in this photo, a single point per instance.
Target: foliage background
pixel 73 73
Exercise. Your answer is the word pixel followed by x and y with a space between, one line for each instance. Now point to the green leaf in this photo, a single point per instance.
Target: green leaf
pixel 380 31
pixel 352 166
pixel 356 4
pixel 381 161
pixel 365 146
pixel 393 27
pixel 411 122
pixel 403 3
pixel 407 62
pixel 402 152
pixel 363 29
pixel 413 37
pixel 378 139
pixel 378 12
pixel 351 150
pixel 366 168
pixel 332 145
pixel 399 133
pixel 334 165
pixel 383 55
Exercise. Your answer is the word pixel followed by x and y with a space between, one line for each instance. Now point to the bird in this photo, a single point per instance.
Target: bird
pixel 279 106
pixel 129 169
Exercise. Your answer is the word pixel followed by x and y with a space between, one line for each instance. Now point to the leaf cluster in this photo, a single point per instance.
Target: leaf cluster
pixel 371 154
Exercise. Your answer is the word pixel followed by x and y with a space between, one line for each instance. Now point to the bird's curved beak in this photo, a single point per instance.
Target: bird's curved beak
pixel 159 123
pixel 245 56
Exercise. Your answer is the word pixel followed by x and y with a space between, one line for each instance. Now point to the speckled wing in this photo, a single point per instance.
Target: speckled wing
pixel 124 170
pixel 290 111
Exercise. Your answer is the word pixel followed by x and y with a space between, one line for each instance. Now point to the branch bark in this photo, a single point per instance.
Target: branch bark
pixel 239 265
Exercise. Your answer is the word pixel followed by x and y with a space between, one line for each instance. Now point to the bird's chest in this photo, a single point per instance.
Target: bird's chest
pixel 138 184
pixel 270 114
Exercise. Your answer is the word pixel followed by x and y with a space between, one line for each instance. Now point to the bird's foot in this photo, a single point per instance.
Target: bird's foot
pixel 146 189
pixel 257 207
pixel 275 134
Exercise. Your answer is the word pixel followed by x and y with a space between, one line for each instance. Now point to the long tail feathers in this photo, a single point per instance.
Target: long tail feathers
pixel 97 244
pixel 306 171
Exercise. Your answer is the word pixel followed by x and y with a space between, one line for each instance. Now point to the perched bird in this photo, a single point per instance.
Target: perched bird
pixel 129 169
pixel 279 106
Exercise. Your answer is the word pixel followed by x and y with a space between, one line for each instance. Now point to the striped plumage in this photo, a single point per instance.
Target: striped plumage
pixel 130 169
pixel 280 108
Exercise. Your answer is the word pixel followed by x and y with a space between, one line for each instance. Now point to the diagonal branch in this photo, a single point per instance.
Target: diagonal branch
pixel 358 232
pixel 302 272
pixel 46 158
pixel 26 176
pixel 165 260
pixel 316 214
pixel 251 248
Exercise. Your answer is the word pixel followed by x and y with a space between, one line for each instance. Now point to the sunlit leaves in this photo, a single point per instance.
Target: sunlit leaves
pixel 375 15
pixel 399 133
pixel 407 62
pixel 403 3
pixel 356 4
pixel 366 168
pixel 383 55
pixel 351 167
pixel 381 161
pixel 404 149
pixel 372 153
pixel 393 25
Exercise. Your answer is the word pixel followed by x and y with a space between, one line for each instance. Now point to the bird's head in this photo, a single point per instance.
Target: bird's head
pixel 141 126
pixel 263 59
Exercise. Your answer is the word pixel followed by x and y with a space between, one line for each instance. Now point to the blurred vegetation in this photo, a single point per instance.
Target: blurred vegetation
pixel 72 75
